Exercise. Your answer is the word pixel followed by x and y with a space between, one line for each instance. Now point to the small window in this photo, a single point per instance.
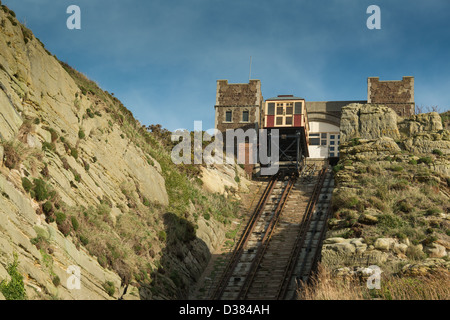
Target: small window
pixel 271 109
pixel 298 108
pixel 332 154
pixel 279 110
pixel 324 135
pixel 289 121
pixel 313 134
pixel 332 142
pixel 289 110
pixel 314 141
pixel 279 121
pixel 228 116
pixel 245 116
pixel 332 136
pixel 331 148
pixel 323 142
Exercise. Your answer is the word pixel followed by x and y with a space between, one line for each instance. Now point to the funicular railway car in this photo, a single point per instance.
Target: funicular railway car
pixel 287 115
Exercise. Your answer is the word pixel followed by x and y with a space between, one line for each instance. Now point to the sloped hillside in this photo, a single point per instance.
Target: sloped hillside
pixel 392 200
pixel 83 184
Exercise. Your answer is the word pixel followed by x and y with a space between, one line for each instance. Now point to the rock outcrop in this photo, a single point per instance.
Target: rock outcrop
pixel 392 192
pixel 83 184
pixel 368 121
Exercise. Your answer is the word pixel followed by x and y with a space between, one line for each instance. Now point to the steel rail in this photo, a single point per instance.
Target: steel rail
pixel 237 252
pixel 303 270
pixel 301 238
pixel 266 239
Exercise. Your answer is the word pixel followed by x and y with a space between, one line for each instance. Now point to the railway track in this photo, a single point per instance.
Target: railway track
pixel 265 261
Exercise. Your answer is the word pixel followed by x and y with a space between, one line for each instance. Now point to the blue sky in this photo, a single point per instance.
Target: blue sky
pixel 162 58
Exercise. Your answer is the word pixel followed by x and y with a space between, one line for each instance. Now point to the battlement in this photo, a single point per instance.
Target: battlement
pixel 398 95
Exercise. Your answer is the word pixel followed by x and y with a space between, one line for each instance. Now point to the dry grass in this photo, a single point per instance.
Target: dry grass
pixel 326 286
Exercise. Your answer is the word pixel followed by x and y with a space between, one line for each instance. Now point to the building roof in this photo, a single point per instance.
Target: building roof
pixel 284 97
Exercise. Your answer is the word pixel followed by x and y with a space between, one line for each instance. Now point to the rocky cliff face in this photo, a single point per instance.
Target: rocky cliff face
pixel 83 184
pixel 391 202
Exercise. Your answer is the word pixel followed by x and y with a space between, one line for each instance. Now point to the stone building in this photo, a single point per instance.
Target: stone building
pixel 240 105
pixel 398 95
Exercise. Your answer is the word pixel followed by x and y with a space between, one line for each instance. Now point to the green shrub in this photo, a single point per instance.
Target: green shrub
pixel 60 217
pixel 389 221
pixel 337 168
pixel 84 240
pixel 48 146
pixel 89 111
pixel 81 134
pixel 437 152
pixel 355 142
pixel 413 161
pixel 400 185
pixel 75 224
pixel 432 212
pixel 426 160
pixel 74 153
pixel 109 288
pixel 396 168
pixel 162 236
pixel 404 206
pixel 56 281
pixel 47 208
pixel 26 184
pixel 40 190
pixel 15 288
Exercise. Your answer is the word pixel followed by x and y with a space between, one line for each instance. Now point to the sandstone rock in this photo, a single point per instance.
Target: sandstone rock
pixel 422 268
pixel 368 122
pixel 368 219
pixel 420 123
pixel 33 141
pixel 435 250
pixel 400 248
pixel 426 142
pixel 334 240
pixel 375 149
pixel 384 244
pixel 217 178
pixel 2 154
pixel 344 248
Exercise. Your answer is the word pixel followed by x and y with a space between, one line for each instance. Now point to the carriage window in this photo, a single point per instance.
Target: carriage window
pixel 245 116
pixel 279 121
pixel 288 120
pixel 279 110
pixel 228 116
pixel 298 108
pixel 271 109
pixel 289 110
